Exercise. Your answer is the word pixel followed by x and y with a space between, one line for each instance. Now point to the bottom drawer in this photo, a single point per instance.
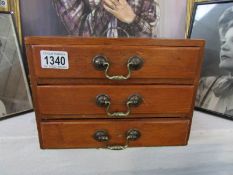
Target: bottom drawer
pixel 114 133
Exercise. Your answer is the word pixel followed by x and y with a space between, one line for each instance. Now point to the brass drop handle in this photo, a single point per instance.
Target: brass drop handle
pixel 101 63
pixel 104 100
pixel 103 136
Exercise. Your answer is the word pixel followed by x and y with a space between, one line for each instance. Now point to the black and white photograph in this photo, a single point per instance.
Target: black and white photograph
pixel 213 21
pixel 15 95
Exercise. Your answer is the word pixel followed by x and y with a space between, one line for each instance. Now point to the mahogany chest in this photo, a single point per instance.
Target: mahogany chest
pixel 113 93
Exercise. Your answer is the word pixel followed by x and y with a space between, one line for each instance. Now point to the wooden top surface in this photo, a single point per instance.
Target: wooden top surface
pixel 72 40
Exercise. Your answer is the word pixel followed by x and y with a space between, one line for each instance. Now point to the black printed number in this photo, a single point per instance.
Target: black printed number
pixel 63 61
pixel 51 62
pixel 55 60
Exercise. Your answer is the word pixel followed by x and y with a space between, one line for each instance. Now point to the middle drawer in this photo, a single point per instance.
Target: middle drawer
pixel 96 101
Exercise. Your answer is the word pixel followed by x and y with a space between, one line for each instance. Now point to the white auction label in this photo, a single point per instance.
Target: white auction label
pixel 3 3
pixel 54 59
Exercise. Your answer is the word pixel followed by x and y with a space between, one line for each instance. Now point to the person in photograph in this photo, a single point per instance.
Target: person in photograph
pixel 216 93
pixel 109 18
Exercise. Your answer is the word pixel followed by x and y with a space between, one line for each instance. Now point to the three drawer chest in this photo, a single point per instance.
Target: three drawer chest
pixel 113 93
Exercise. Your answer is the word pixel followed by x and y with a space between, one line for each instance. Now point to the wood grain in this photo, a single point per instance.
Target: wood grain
pixel 96 81
pixel 159 62
pixel 72 40
pixel 157 100
pixel 79 134
pixel 65 100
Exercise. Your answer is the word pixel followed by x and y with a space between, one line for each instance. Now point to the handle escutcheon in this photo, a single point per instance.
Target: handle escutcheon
pixel 101 63
pixel 104 100
pixel 103 136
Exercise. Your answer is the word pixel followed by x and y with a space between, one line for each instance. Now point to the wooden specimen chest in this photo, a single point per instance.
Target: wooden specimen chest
pixel 113 93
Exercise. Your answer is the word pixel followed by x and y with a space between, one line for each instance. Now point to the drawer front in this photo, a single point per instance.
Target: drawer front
pixel 82 134
pixel 156 100
pixel 158 62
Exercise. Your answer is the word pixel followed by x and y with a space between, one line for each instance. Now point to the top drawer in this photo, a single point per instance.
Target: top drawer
pixel 180 63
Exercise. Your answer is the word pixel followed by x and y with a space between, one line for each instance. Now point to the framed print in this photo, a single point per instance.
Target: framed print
pixel 13 6
pixel 213 21
pixel 189 11
pixel 46 18
pixel 91 18
pixel 15 95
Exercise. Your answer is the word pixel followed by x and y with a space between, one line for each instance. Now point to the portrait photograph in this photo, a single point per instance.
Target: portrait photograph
pixel 104 18
pixel 213 21
pixel 15 95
